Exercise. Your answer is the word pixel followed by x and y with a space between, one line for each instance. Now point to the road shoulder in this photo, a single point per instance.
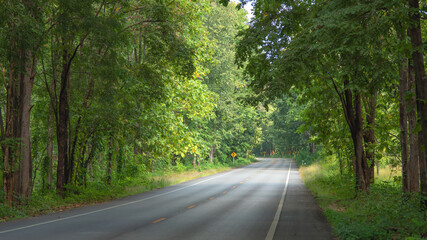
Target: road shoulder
pixel 301 217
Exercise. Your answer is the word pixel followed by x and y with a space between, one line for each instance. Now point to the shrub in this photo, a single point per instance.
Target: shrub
pixel 305 158
pixel 383 213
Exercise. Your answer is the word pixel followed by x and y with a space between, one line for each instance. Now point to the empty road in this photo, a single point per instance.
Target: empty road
pixel 265 200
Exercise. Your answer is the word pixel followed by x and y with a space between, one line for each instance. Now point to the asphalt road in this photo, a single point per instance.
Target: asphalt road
pixel 265 200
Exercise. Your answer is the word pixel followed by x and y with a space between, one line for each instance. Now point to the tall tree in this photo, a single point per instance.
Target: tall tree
pixel 73 24
pixel 414 32
pixel 22 32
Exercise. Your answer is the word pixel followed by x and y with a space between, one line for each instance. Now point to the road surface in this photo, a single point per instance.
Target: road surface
pixel 265 200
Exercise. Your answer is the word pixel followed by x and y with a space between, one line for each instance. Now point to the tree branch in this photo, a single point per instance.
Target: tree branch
pixel 52 98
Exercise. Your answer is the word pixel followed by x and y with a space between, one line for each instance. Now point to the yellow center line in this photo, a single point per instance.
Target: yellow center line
pixel 158 220
pixel 241 182
pixel 189 207
pixel 247 179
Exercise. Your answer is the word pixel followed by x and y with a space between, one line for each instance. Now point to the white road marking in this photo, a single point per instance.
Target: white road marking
pixel 117 206
pixel 276 219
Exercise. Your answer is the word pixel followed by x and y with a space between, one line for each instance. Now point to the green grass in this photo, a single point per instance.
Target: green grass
pixel 384 213
pixel 47 201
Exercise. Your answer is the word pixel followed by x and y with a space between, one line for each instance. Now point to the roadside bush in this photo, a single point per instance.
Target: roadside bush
pixel 242 161
pixel 305 158
pixel 383 213
pixel 7 213
pixel 180 167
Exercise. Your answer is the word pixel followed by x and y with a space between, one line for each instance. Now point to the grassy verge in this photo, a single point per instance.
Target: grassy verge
pixel 384 213
pixel 47 201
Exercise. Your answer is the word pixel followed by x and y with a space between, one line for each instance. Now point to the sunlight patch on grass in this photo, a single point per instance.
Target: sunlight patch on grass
pixel 175 178
pixel 161 180
pixel 387 173
pixel 308 173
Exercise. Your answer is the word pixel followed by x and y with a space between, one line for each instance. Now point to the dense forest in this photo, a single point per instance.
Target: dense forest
pixel 104 93
pixel 109 91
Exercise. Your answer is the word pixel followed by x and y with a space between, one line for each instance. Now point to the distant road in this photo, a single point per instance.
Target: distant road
pixel 265 200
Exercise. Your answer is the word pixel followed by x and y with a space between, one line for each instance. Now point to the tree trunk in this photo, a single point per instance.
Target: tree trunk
pixel 73 143
pixel 49 152
pixel 312 147
pixel 403 88
pixel 341 163
pixel 53 113
pixel 422 165
pixel 10 155
pixel 369 135
pixel 17 149
pixel 87 165
pixel 26 88
pixel 64 169
pixel 413 170
pixel 362 173
pixel 414 33
pixel 352 107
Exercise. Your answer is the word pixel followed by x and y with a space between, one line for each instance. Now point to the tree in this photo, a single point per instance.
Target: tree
pixel 21 31
pixel 235 126
pixel 287 133
pixel 70 31
pixel 414 32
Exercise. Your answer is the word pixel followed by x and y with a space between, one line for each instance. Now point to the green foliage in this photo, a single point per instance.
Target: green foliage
pixel 8 213
pixel 235 127
pixel 282 132
pixel 243 161
pixel 305 158
pixel 326 56
pixel 383 213
pixel 94 192
pixel 180 167
pixel 152 85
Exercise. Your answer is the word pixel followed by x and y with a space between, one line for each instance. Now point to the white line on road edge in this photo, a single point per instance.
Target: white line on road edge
pixel 116 206
pixel 276 219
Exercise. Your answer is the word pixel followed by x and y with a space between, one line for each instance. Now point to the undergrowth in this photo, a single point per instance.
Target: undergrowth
pixel 48 201
pixel 383 213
